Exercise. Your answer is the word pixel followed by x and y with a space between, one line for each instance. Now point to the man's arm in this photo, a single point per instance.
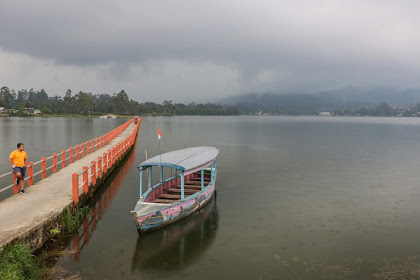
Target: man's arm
pixel 11 162
pixel 26 162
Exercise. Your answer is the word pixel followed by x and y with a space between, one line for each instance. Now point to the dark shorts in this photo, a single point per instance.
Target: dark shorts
pixel 22 170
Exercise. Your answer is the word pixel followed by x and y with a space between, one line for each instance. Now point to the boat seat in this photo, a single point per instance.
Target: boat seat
pixel 190 187
pixel 199 179
pixel 170 196
pixel 186 191
pixel 192 182
pixel 199 174
pixel 158 200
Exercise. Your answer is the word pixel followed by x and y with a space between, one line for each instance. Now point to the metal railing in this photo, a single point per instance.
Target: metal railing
pixel 72 153
pixel 101 166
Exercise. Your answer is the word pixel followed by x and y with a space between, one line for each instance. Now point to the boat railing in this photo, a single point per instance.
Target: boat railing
pixel 212 164
pixel 59 160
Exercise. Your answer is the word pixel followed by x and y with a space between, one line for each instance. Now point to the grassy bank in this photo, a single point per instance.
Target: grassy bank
pixel 17 262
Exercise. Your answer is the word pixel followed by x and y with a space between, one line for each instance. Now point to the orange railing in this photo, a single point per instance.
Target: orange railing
pixel 65 157
pixel 97 169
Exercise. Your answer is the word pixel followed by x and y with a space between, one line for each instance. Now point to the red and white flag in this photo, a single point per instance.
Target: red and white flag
pixel 159 133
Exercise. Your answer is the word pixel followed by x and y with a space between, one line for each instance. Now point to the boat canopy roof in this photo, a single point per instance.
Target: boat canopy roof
pixel 184 160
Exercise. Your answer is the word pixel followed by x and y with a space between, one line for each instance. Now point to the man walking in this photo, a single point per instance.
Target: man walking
pixel 18 160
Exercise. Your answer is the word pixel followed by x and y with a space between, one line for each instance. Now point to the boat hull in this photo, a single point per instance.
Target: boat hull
pixel 174 212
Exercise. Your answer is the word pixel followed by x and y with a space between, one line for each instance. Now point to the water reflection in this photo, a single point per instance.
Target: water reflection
pixel 100 201
pixel 179 244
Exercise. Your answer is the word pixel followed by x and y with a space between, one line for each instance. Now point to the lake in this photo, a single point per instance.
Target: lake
pixel 297 198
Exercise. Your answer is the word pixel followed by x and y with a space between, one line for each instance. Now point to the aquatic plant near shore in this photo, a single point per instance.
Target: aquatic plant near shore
pixel 72 221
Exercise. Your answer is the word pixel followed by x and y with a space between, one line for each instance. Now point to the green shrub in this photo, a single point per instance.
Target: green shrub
pixel 17 262
pixel 72 221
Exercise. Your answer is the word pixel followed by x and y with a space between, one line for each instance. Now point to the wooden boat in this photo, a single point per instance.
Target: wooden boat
pixel 183 193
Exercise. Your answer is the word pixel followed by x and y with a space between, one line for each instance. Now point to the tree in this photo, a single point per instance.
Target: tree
pixel 85 102
pixel 120 102
pixel 6 97
pixel 168 108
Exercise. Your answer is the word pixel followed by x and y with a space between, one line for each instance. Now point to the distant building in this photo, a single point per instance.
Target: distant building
pixel 325 114
pixel 37 112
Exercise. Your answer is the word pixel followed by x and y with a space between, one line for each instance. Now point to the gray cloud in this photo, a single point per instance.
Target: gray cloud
pixel 200 49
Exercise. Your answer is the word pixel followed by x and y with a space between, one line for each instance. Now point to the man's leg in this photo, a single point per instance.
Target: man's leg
pixel 18 177
pixel 22 183
pixel 22 178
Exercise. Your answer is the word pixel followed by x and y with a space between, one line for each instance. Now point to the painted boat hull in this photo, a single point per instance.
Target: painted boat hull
pixel 174 212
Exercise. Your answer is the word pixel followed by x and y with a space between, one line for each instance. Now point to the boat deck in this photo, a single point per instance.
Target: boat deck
pixel 191 187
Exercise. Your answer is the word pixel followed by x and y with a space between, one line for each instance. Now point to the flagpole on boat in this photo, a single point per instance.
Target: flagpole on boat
pixel 145 152
pixel 170 150
pixel 160 155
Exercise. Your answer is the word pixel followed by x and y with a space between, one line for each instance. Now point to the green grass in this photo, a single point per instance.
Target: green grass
pixel 17 262
pixel 72 221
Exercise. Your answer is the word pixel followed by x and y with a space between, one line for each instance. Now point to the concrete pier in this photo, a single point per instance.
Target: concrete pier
pixel 29 217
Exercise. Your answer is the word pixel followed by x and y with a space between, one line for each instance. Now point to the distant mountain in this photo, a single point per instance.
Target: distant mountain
pixel 333 100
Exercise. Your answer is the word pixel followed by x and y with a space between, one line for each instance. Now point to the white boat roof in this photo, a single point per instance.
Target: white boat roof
pixel 184 160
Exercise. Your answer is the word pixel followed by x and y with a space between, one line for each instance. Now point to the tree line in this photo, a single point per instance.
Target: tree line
pixel 382 110
pixel 86 103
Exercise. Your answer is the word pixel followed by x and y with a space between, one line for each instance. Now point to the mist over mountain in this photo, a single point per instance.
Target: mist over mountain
pixel 313 103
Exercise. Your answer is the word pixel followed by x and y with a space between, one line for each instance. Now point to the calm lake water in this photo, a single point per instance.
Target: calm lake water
pixel 297 198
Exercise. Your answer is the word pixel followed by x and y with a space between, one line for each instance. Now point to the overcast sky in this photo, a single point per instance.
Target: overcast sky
pixel 197 50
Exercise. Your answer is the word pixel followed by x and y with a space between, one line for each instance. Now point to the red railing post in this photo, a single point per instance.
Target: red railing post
pixel 97 143
pixel 99 167
pixel 115 153
pixel 30 173
pixel 85 179
pixel 108 161
pixel 82 147
pixel 75 188
pixel 71 155
pixel 105 163
pixel 43 168
pixel 93 172
pixel 54 163
pixel 63 158
pixel 15 187
pixel 87 147
pixel 92 145
pixel 77 152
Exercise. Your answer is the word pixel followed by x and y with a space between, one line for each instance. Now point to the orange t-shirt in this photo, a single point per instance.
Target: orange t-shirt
pixel 18 158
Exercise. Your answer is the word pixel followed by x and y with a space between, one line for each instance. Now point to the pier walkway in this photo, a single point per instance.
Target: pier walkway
pixel 28 217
